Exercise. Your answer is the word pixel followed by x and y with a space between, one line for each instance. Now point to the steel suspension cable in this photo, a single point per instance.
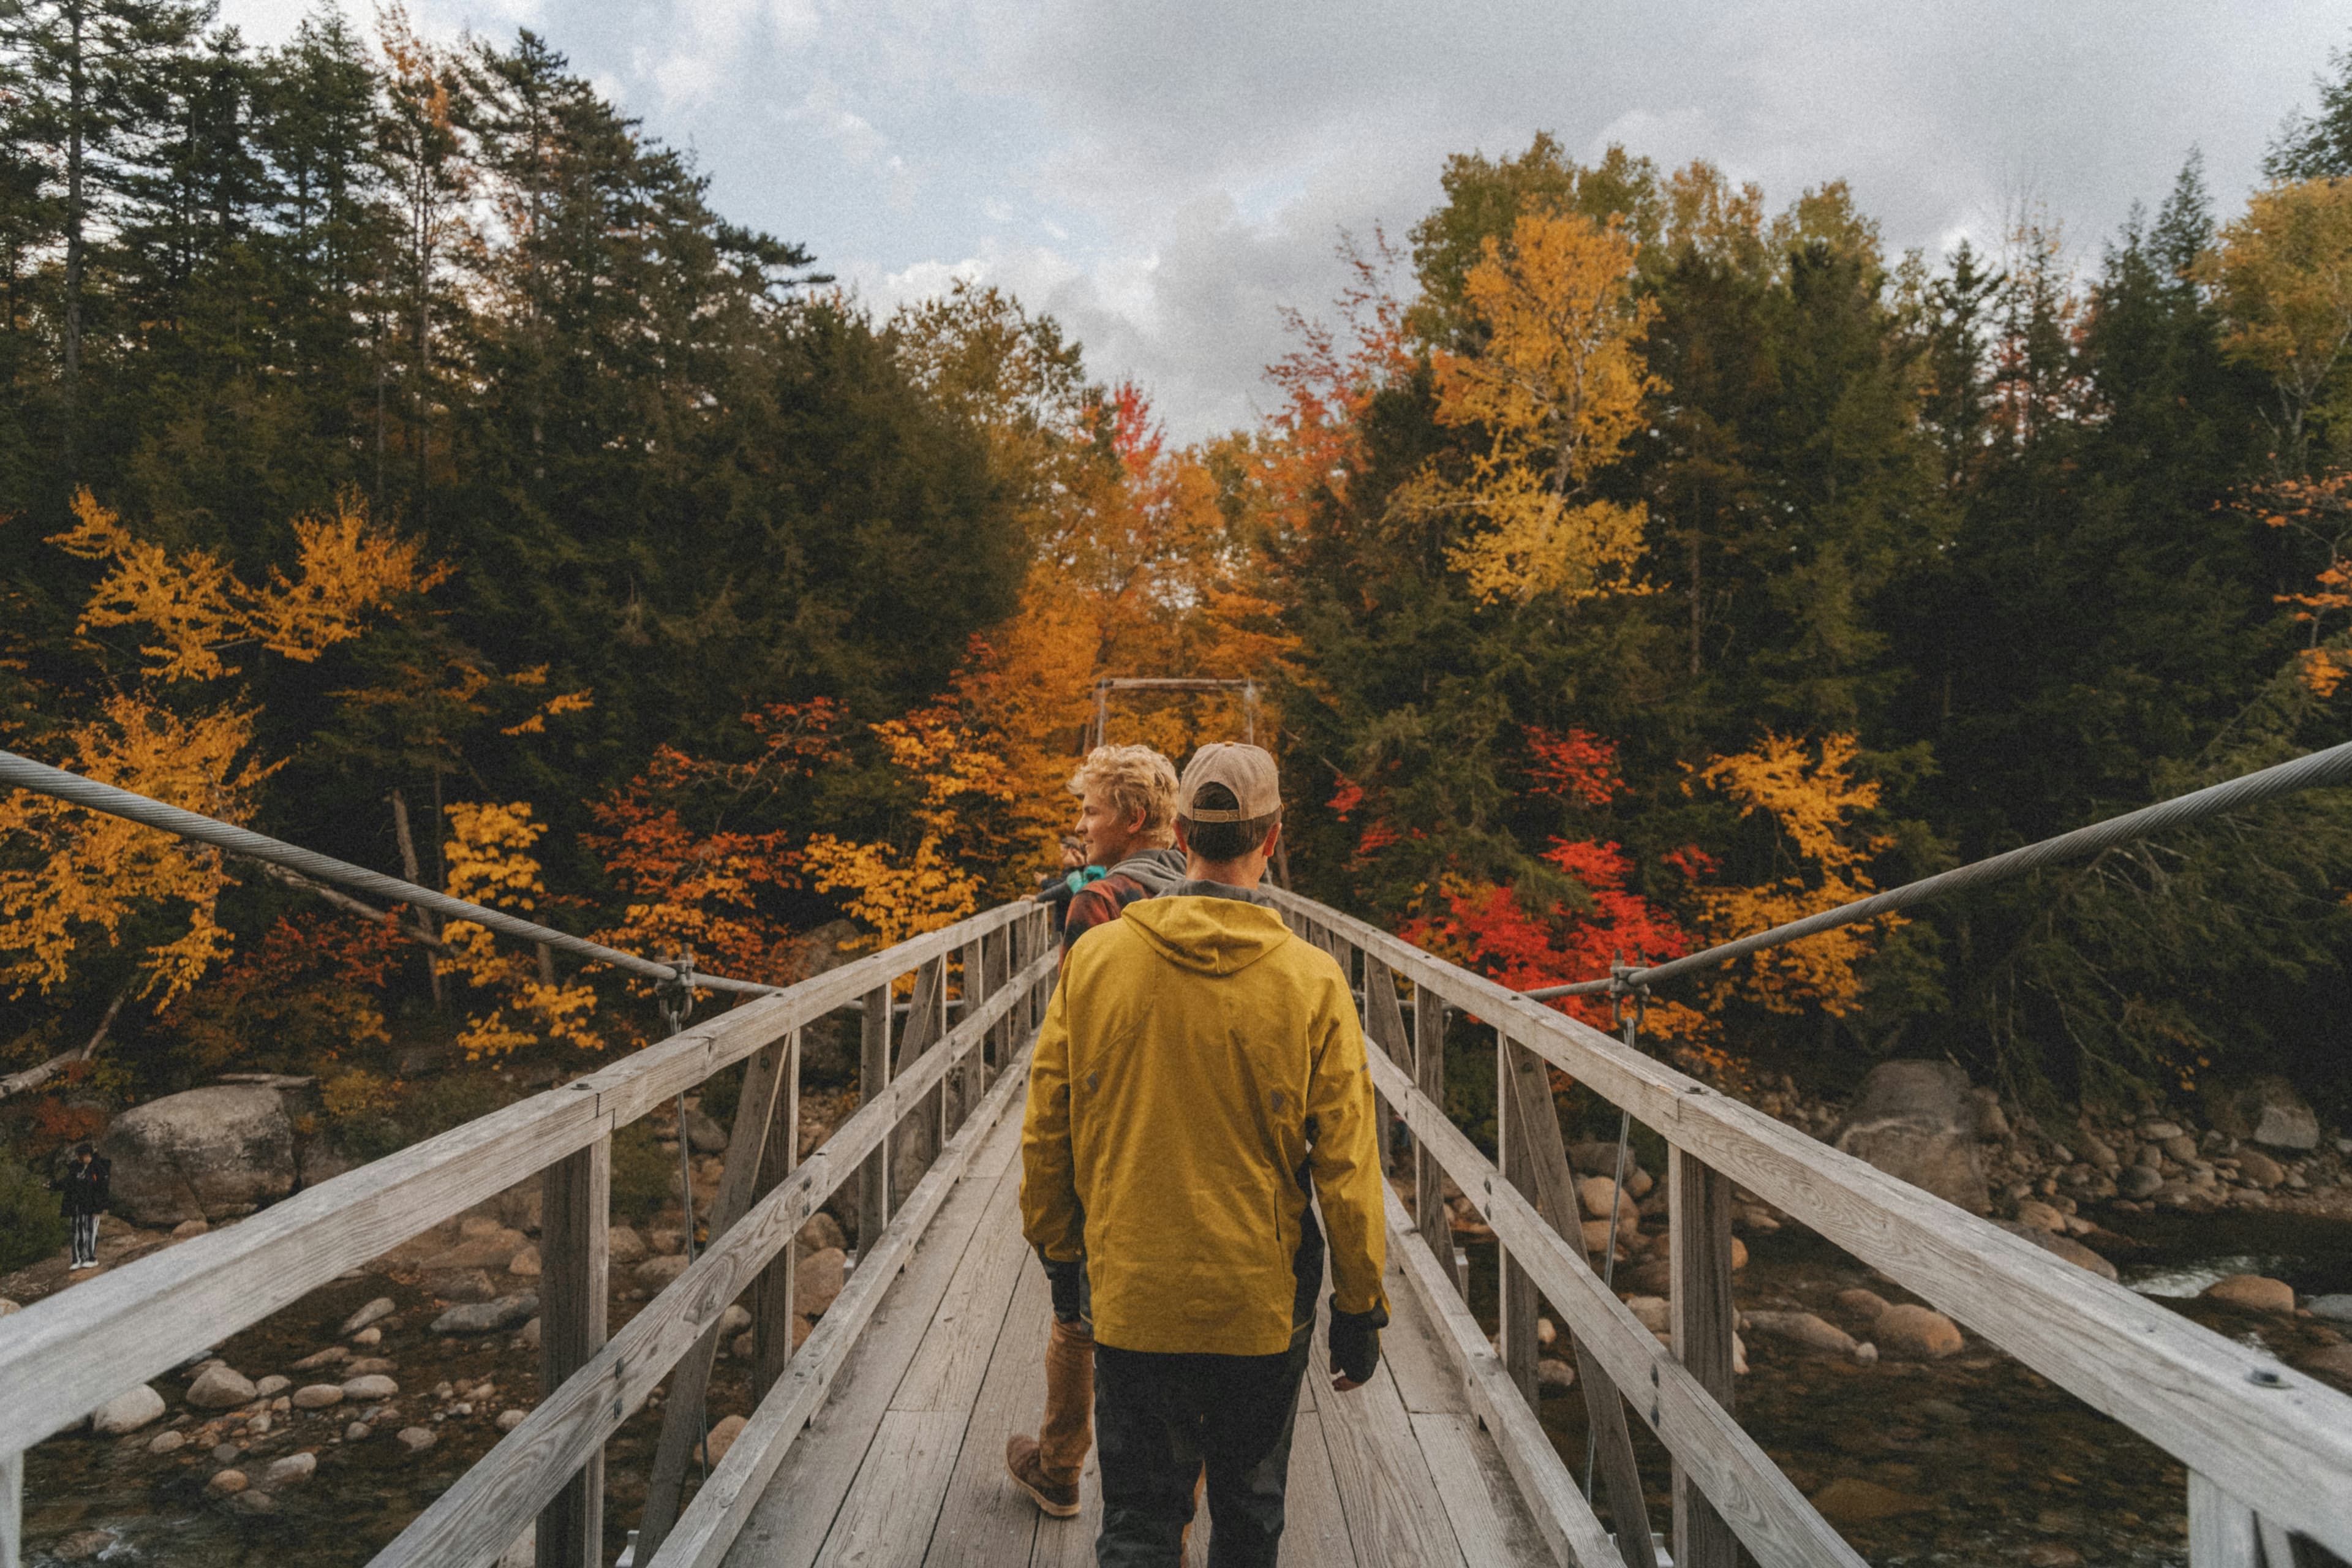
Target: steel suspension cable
pixel 23 772
pixel 2332 766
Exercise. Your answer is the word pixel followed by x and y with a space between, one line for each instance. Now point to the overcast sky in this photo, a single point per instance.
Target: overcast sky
pixel 1164 177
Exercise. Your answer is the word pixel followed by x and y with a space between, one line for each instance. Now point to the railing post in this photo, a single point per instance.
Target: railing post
pixel 1429 1076
pixel 921 1134
pixel 873 1077
pixel 771 1293
pixel 1700 1203
pixel 12 1511
pixel 971 1078
pixel 1384 1022
pixel 1517 1289
pixel 575 1206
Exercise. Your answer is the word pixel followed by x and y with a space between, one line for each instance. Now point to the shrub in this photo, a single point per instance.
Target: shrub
pixel 31 1226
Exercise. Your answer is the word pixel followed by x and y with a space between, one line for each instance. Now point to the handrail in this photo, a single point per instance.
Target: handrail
pixel 2332 766
pixel 63 1356
pixel 2275 1439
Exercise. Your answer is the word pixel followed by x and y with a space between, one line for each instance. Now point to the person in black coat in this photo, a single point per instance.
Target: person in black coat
pixel 84 1188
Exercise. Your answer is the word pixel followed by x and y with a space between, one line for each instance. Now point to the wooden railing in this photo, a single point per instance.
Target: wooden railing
pixel 2268 1450
pixel 926 1098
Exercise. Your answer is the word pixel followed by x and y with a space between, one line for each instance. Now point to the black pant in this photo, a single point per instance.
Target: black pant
pixel 1161 1418
pixel 85 1238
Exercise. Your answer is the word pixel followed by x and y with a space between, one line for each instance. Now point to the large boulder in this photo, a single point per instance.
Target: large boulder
pixel 210 1153
pixel 1916 1122
pixel 2264 1110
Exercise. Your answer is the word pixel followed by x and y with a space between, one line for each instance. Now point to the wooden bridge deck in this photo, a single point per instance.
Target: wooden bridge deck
pixel 903 1464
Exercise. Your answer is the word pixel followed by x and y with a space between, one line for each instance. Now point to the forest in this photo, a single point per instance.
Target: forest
pixel 403 457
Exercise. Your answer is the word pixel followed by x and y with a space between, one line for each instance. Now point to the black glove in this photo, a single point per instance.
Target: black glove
pixel 1067 1281
pixel 1356 1342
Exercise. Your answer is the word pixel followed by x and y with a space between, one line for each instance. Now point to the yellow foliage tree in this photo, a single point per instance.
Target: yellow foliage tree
pixel 1812 804
pixel 2283 275
pixel 87 875
pixel 1557 387
pixel 489 862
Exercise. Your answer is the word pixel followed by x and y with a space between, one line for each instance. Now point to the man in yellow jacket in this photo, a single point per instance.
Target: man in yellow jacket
pixel 1199 1077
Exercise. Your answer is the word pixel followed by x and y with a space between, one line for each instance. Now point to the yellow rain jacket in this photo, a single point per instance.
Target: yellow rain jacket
pixel 1197 1063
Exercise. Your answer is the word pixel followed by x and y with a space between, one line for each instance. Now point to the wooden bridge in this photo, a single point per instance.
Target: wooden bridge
pixel 881 1439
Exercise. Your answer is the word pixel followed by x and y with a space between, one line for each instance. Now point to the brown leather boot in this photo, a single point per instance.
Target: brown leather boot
pixel 1020 1463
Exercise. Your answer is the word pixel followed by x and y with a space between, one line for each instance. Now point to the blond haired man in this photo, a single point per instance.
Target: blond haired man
pixel 1198 1090
pixel 1127 810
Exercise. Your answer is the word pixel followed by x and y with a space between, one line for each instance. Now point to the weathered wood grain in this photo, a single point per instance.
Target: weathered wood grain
pixel 12 1511
pixel 873 1077
pixel 946 1374
pixel 1489 1523
pixel 918 1137
pixel 1515 1291
pixel 2281 1441
pixel 1314 1521
pixel 983 1520
pixel 1765 1510
pixel 772 1298
pixel 575 1202
pixel 1386 1493
pixel 894 1504
pixel 1562 1515
pixel 1429 1076
pixel 1699 1201
pixel 710 1522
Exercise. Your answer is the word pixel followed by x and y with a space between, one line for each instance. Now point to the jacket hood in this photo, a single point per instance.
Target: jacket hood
pixel 1157 869
pixel 1207 936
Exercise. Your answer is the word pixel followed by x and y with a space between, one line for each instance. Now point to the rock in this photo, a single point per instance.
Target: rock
pixel 665 1242
pixel 1921 1333
pixel 2050 1555
pixel 208 1153
pixel 168 1442
pixel 318 1396
pixel 624 1245
pixel 1654 1313
pixel 271 1386
pixel 525 1263
pixel 744 1346
pixel 1595 1158
pixel 127 1412
pixel 374 1385
pixel 2139 1181
pixel 416 1439
pixel 2040 1216
pixel 459 1284
pixel 357 1432
pixel 82 1545
pixel 2332 1360
pixel 318 1359
pixel 2336 1309
pixel 9 1308
pixel 1598 1237
pixel 225 1452
pixel 1849 1499
pixel 1597 1193
pixel 488 1247
pixel 733 1322
pixel 226 1483
pixel 2181 1147
pixel 822 1231
pixel 368 1338
pixel 510 1419
pixel 660 1270
pixel 1738 1255
pixel 368 1366
pixel 2253 1291
pixel 2064 1246
pixel 1913 1120
pixel 291 1470
pixel 254 1503
pixel 706 1135
pixel 529 1339
pixel 258 1426
pixel 375 1311
pixel 1804 1328
pixel 1866 1354
pixel 220 1387
pixel 486 1317
pixel 722 1437
pixel 188 1229
pixel 2266 1110
pixel 1554 1373
pixel 818 1279
pixel 2098 1151
pixel 2260 1168
pixel 1864 1304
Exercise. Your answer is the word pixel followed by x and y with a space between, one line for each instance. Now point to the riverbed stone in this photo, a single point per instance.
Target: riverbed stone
pixel 318 1396
pixel 208 1153
pixel 1864 1304
pixel 2259 1168
pixel 370 1385
pixel 1850 1500
pixel 1599 1196
pixel 368 1366
pixel 227 1483
pixel 291 1470
pixel 459 1284
pixel 2337 1309
pixel 706 1135
pixel 2139 1181
pixel 822 1231
pixel 2040 1216
pixel 488 1248
pixel 1804 1328
pixel 368 1338
pixel 221 1387
pixel 127 1412
pixel 486 1317
pixel 2256 1291
pixel 818 1279
pixel 316 1359
pixel 722 1437
pixel 273 1385
pixel 375 1311
pixel 82 1545
pixel 357 1432
pixel 253 1500
pixel 656 1273
pixel 1920 1333
pixel 1652 1313
pixel 168 1441
pixel 416 1439
pixel 1553 1374
pixel 509 1419
pixel 2059 1245
pixel 624 1245
pixel 2266 1110
pixel 525 1263
pixel 1913 1120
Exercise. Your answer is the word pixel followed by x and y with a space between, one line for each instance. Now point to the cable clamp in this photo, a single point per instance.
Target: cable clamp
pixel 675 994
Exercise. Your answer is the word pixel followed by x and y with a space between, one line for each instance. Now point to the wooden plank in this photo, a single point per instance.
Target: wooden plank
pixel 2275 1438
pixel 1314 1522
pixel 975 1076
pixel 1426 1378
pixel 1429 1074
pixel 1386 1493
pixel 1515 1130
pixel 1489 1523
pixel 1070 1543
pixel 685 1415
pixel 873 1077
pixel 575 1206
pixel 1699 1202
pixel 1384 1027
pixel 918 1137
pixel 1562 1515
pixel 947 1373
pixel 1528 1108
pixel 712 1522
pixel 2222 1531
pixel 12 1511
pixel 983 1519
pixel 891 1508
pixel 1765 1510
pixel 771 1296
pixel 59 1363
pixel 472 1522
